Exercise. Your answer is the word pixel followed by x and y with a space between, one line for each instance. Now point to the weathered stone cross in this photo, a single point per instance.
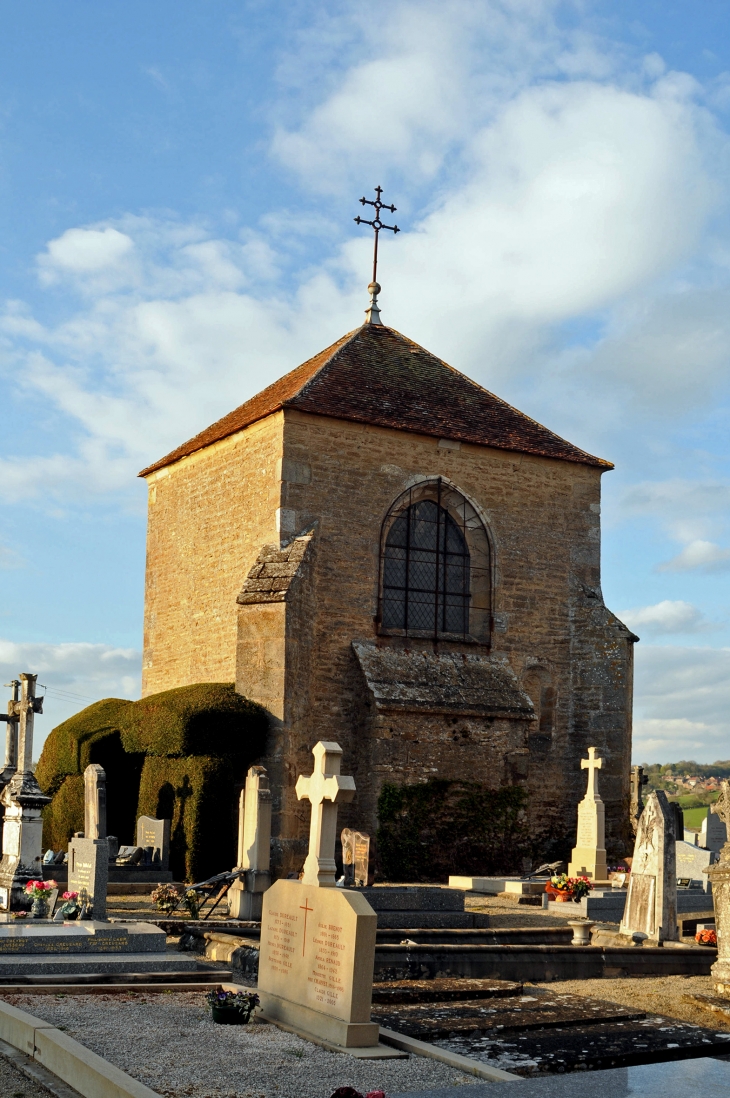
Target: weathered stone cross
pixel 591 764
pixel 325 789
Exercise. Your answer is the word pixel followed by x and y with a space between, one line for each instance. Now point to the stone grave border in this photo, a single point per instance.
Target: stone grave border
pixel 68 1060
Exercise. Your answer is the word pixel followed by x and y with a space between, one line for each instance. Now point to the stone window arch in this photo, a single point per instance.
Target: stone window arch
pixel 435 566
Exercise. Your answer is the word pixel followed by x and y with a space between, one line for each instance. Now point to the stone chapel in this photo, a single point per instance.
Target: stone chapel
pixel 383 553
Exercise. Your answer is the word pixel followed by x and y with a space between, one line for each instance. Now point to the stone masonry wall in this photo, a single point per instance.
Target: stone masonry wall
pixel 543 516
pixel 208 517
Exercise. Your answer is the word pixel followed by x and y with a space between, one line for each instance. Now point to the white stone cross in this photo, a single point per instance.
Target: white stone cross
pixel 325 789
pixel 591 764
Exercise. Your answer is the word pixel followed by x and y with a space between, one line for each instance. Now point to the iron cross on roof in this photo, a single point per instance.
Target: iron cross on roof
pixel 373 313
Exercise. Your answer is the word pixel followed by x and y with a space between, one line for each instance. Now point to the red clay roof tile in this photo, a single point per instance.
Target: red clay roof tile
pixel 376 375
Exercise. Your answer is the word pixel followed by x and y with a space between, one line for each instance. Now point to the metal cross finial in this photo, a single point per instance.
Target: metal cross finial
pixel 373 313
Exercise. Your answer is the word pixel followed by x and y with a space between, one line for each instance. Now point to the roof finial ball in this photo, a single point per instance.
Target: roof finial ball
pixel 372 313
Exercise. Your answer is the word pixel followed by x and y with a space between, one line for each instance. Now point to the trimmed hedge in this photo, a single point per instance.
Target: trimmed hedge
pixel 65 813
pixel 198 795
pixel 178 754
pixel 427 829
pixel 209 718
pixel 67 749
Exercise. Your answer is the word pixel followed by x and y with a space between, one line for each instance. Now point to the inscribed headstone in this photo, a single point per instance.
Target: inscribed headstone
pixel 154 837
pixel 589 855
pixel 88 856
pixel 245 897
pixel 713 835
pixel 318 942
pixel 88 872
pixel 355 858
pixel 651 902
pixel 692 861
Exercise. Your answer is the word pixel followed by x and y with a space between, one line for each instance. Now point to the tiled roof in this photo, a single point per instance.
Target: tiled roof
pixel 376 375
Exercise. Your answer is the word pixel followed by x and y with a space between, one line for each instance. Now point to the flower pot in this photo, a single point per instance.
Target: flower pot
pixel 228 1016
pixel 39 909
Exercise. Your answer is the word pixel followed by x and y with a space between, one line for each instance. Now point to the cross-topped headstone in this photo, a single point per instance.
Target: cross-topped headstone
pixel 325 789
pixel 589 854
pixel 591 764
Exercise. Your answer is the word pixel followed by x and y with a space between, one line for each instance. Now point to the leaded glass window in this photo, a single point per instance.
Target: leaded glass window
pixel 426 572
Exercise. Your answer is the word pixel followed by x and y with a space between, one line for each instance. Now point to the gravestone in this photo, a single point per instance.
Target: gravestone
pixel 713 835
pixel 692 861
pixel 318 941
pixel 88 855
pixel 22 799
pixel 355 858
pixel 638 781
pixel 94 802
pixel 719 874
pixel 651 902
pixel 589 854
pixel 154 837
pixel 245 897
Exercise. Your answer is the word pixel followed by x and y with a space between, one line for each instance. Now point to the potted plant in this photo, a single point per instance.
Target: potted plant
pixel 564 888
pixel 39 890
pixel 232 1008
pixel 706 937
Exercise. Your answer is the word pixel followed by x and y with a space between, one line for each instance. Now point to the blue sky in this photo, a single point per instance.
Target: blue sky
pixel 177 188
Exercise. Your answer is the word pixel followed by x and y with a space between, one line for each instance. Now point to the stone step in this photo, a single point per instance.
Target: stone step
pixel 536 963
pixel 413 898
pixel 442 991
pixel 78 963
pixel 428 1021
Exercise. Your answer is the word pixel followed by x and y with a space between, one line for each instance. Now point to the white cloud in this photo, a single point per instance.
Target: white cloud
pixel 82 250
pixel 667 617
pixel 681 704
pixel 9 558
pixel 76 674
pixel 698 556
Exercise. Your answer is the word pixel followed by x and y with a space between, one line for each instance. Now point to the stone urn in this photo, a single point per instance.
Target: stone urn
pixel 581 931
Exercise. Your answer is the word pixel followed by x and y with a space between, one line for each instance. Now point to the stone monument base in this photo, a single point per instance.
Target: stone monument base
pixel 41 947
pixel 311 1022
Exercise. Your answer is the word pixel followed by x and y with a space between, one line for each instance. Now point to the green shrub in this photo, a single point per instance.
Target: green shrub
pixel 177 755
pixel 198 795
pixel 65 813
pixel 208 718
pixel 68 747
pixel 428 829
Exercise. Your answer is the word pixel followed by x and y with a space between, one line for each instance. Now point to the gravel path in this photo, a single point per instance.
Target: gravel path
pixel 170 1043
pixel 13 1084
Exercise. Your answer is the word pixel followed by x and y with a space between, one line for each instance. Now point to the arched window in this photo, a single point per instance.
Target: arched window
pixel 435 566
pixel 426 572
